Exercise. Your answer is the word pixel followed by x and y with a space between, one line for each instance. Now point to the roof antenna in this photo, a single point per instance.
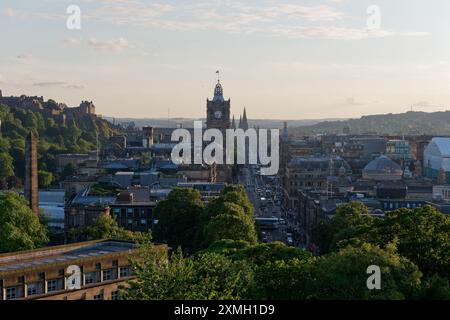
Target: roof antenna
pixel 218 75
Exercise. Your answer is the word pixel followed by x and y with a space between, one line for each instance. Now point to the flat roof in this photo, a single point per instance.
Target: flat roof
pixel 61 254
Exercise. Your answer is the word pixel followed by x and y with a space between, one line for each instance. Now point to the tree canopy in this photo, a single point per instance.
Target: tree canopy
pixel 20 228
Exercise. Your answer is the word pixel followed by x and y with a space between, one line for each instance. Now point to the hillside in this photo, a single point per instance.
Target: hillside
pixel 410 123
pixel 60 130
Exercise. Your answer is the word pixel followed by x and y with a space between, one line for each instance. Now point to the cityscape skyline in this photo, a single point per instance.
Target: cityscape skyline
pixel 296 60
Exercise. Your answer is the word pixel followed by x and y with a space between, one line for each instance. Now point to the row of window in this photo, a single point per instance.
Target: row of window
pixel 53 285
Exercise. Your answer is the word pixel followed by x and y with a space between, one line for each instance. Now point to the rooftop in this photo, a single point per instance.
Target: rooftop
pixel 61 254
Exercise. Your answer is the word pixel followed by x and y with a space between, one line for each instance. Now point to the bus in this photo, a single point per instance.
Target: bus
pixel 267 223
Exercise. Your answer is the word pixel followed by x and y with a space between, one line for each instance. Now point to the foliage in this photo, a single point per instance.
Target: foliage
pixel 45 179
pixel 20 228
pixel 105 227
pixel 54 138
pixel 104 190
pixel 207 276
pixel 230 226
pixel 179 219
pixel 350 219
pixel 6 167
pixel 422 235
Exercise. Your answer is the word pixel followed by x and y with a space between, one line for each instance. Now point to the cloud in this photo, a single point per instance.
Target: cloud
pixel 59 84
pixel 270 18
pixel 334 33
pixel 24 57
pixel 112 45
pixel 351 101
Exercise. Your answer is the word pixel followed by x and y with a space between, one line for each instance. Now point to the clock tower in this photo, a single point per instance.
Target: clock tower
pixel 218 110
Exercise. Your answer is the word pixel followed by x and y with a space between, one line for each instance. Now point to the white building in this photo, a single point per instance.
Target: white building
pixel 436 158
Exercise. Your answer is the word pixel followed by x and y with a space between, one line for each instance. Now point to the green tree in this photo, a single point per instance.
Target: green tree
pixel 179 219
pixel 105 227
pixel 339 276
pixel 45 179
pixel 422 235
pixel 6 168
pixel 229 226
pixel 206 276
pixel 350 219
pixel 232 194
pixel 20 228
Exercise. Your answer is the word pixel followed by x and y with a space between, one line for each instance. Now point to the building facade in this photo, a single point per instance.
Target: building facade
pixel 82 271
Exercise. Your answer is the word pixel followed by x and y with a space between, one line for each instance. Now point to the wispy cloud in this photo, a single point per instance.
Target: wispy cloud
pixel 24 57
pixel 111 45
pixel 58 84
pixel 322 21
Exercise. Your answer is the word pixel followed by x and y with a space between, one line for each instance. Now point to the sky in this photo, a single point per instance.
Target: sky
pixel 304 59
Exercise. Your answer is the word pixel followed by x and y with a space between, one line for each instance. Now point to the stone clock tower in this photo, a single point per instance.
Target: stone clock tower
pixel 218 110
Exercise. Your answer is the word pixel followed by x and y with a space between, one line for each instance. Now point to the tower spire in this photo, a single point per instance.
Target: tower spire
pixel 244 120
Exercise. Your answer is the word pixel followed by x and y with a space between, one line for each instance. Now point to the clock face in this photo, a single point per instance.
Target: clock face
pixel 218 114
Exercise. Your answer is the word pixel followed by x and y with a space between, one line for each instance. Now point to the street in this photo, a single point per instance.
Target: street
pixel 265 194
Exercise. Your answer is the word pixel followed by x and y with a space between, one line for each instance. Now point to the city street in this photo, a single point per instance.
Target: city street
pixel 265 195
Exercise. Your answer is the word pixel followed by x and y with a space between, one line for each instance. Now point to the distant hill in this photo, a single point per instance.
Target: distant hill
pixel 189 122
pixel 410 123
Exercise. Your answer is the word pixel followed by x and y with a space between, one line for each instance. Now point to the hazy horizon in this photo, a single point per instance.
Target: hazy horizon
pixel 284 60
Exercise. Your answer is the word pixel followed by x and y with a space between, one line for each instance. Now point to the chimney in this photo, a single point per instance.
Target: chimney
pixel 31 172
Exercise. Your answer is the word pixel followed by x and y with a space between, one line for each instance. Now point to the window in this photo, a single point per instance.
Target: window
pixel 98 266
pixel 32 289
pixel 61 272
pixel 115 296
pixel 52 285
pixel 11 293
pixel 89 277
pixel 98 297
pixel 107 275
pixel 125 272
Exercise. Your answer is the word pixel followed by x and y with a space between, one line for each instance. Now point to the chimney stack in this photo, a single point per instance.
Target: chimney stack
pixel 31 172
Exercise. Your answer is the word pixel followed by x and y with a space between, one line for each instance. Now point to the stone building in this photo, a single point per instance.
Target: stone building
pixel 81 271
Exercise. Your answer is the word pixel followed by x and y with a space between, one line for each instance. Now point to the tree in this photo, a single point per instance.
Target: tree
pixel 236 194
pixel 179 219
pixel 350 219
pixel 20 228
pixel 338 276
pixel 6 167
pixel 206 276
pixel 45 179
pixel 105 227
pixel 422 235
pixel 230 216
pixel 343 275
pixel 229 226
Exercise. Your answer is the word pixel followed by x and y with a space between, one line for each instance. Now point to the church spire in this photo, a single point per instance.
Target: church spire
pixel 244 120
